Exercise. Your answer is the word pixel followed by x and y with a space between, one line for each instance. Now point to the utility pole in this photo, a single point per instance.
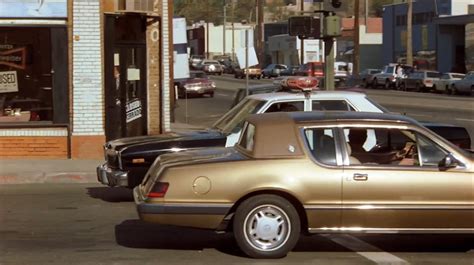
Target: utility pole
pixel 223 28
pixel 409 33
pixel 302 40
pixel 260 30
pixel 233 31
pixel 356 54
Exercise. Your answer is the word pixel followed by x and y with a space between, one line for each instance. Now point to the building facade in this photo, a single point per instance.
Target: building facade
pixel 80 72
pixel 438 30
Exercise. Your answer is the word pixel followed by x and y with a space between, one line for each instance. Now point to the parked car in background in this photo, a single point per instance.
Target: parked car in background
pixel 311 69
pixel 290 70
pixel 254 72
pixel 419 81
pixel 367 76
pixel 464 86
pixel 445 82
pixel 211 67
pixel 342 71
pixel 391 76
pixel 198 83
pixel 195 60
pixel 273 70
pixel 316 178
pixel 228 66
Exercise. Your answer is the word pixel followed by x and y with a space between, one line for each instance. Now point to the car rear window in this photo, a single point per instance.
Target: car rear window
pixel 247 139
pixel 432 74
pixel 338 105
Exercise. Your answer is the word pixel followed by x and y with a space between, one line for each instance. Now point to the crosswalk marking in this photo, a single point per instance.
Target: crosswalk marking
pixel 366 250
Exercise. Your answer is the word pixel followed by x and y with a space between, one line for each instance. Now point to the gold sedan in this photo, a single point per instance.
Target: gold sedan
pixel 316 172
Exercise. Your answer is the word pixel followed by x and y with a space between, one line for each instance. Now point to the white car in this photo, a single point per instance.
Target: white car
pixel 445 82
pixel 231 123
pixel 464 86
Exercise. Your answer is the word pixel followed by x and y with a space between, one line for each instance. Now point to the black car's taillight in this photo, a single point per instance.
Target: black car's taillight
pixel 159 190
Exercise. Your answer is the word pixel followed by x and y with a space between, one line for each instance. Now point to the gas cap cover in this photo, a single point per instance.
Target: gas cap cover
pixel 201 185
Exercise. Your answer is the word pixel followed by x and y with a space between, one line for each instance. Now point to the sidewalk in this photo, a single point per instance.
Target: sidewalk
pixel 22 171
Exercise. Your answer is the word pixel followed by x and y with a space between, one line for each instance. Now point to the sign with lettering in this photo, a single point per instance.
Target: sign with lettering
pixel 33 8
pixel 8 82
pixel 13 57
pixel 133 110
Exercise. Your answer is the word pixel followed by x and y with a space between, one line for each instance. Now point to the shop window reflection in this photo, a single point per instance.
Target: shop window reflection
pixel 26 86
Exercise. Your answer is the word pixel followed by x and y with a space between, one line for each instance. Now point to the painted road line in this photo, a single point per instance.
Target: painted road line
pixel 223 94
pixel 461 119
pixel 366 250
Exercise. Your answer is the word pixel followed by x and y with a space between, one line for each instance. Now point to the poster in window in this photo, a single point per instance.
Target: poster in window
pixel 8 82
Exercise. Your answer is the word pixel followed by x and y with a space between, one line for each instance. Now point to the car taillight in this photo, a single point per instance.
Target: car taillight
pixel 428 81
pixel 159 190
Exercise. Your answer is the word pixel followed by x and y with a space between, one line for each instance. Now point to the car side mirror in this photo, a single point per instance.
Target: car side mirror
pixel 448 162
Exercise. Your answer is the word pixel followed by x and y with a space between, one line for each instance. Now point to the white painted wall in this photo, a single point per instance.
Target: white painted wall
pixel 459 7
pixel 369 38
pixel 88 101
pixel 216 38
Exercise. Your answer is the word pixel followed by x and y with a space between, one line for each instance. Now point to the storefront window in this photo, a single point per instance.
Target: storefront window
pixel 26 75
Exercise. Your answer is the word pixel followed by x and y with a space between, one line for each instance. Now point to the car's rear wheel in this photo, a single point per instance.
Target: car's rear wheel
pixel 403 87
pixel 417 87
pixel 374 83
pixel 266 226
pixel 454 91
pixel 211 94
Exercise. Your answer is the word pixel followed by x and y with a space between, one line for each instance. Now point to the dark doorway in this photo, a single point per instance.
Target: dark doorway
pixel 125 77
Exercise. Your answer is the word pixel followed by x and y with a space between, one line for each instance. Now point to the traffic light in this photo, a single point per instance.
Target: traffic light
pixel 336 3
pixel 304 27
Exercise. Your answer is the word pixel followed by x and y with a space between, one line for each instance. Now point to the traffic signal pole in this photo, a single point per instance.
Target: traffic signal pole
pixel 329 64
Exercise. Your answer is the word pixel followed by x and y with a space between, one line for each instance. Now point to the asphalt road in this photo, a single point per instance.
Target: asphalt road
pixel 458 110
pixel 92 224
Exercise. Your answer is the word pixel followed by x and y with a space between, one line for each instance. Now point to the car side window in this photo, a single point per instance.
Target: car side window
pixel 247 138
pixel 286 106
pixel 393 147
pixel 321 144
pixel 338 105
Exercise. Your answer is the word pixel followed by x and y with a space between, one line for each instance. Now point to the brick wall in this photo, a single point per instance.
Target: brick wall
pixel 87 91
pixel 153 74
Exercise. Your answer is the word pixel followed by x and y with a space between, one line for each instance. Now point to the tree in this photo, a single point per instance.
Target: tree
pixel 212 10
pixel 277 10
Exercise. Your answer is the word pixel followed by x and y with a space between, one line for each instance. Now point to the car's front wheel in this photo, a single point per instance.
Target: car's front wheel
pixel 266 226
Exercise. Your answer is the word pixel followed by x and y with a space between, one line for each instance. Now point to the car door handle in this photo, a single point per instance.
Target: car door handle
pixel 360 177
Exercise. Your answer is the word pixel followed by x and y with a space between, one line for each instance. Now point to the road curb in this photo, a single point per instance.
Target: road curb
pixel 43 178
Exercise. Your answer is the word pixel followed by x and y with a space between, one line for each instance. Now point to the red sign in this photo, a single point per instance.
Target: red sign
pixel 15 58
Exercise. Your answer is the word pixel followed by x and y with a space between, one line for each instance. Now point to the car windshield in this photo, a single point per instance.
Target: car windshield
pixel 389 69
pixel 234 119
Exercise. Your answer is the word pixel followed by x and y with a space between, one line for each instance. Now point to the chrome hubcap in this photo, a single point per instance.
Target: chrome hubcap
pixel 267 227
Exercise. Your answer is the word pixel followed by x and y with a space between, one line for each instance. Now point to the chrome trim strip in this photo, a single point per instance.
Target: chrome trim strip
pixel 391 230
pixel 389 207
pixel 184 208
